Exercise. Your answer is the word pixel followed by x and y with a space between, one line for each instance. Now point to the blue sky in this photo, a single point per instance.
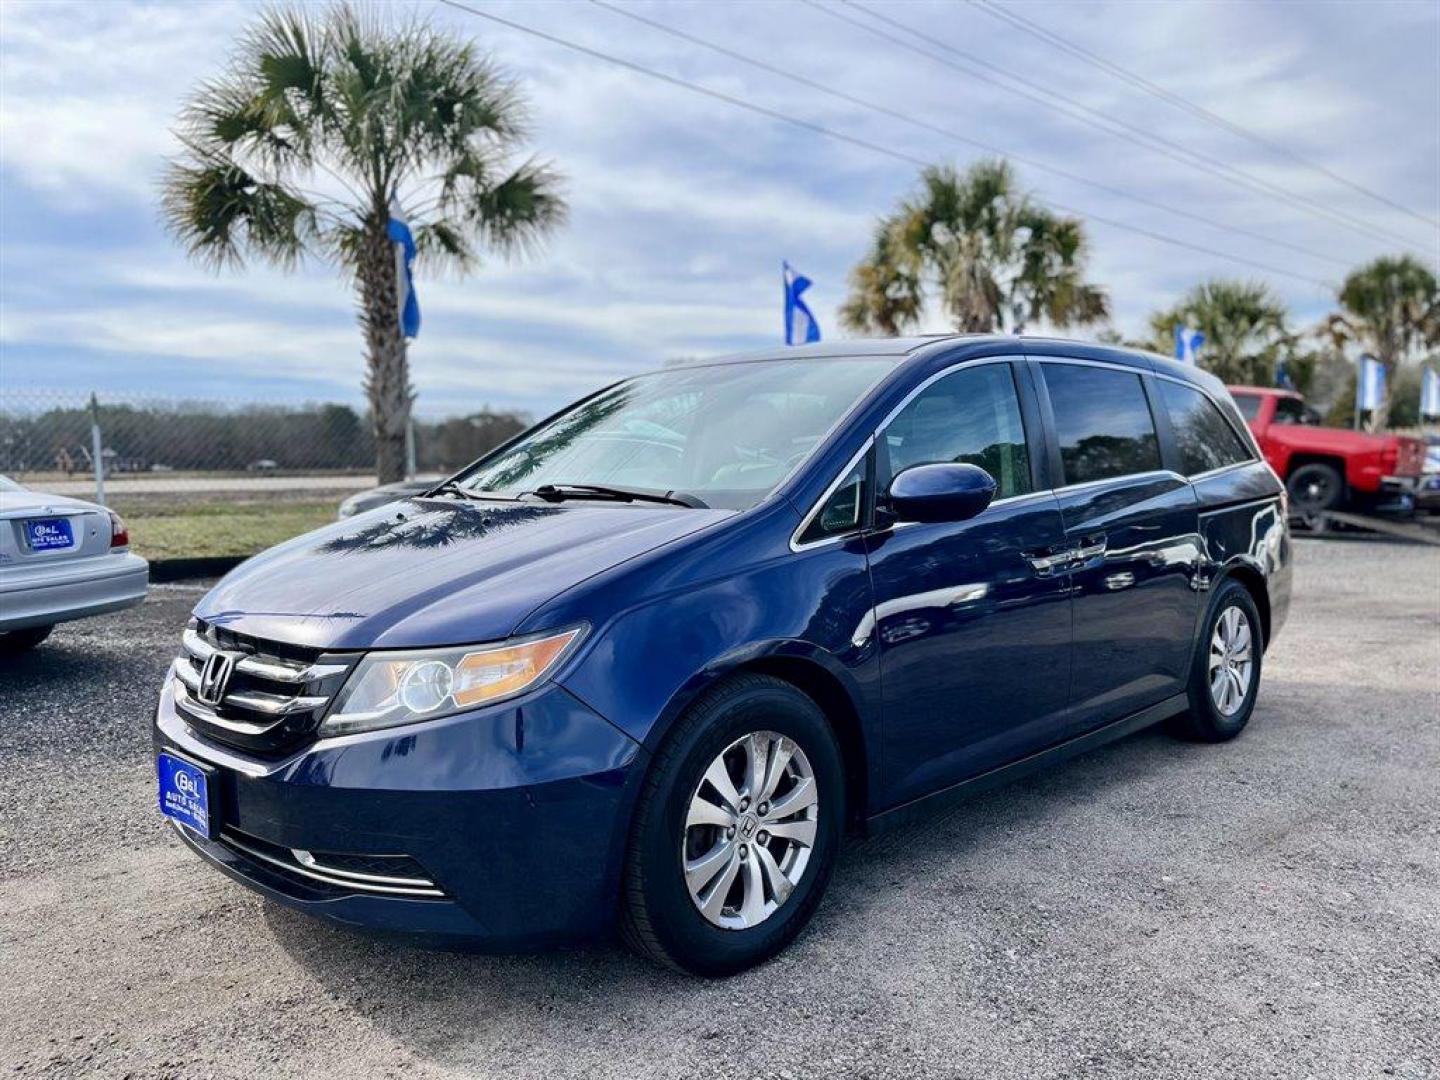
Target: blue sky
pixel 682 208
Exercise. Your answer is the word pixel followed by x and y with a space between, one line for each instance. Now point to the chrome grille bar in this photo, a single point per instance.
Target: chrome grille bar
pixel 267 667
pixel 272 704
pixel 254 700
pixel 285 672
pixel 241 727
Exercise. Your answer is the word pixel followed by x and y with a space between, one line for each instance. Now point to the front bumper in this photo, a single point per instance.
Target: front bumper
pixel 516 813
pixel 60 593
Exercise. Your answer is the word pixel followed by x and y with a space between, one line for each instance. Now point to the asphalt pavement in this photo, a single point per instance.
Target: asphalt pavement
pixel 1270 907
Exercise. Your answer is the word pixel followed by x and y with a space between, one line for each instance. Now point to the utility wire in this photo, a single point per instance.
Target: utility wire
pixel 950 133
pixel 1122 129
pixel 1154 89
pixel 854 140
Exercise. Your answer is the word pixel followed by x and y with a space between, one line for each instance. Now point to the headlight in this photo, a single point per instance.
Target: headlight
pixel 390 688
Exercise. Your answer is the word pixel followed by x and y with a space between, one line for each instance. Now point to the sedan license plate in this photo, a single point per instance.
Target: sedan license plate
pixel 47 534
pixel 185 793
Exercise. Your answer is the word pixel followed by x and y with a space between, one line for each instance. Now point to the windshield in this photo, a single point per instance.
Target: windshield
pixel 725 434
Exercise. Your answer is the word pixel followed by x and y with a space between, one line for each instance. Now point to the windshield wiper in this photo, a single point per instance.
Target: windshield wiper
pixel 453 487
pixel 557 492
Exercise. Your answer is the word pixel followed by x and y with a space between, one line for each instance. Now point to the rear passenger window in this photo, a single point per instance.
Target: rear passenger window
pixel 1204 437
pixel 971 417
pixel 1102 421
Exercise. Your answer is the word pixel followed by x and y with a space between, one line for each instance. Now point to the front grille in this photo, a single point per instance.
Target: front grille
pixel 273 698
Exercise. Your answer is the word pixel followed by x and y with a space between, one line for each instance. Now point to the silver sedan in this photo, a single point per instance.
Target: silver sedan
pixel 60 559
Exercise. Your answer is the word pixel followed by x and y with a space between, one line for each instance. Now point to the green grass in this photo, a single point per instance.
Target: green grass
pixel 191 529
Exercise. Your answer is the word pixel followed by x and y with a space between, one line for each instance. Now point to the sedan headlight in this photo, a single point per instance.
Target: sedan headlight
pixel 391 688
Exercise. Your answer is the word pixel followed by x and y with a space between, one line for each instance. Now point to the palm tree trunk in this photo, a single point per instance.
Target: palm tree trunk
pixel 387 379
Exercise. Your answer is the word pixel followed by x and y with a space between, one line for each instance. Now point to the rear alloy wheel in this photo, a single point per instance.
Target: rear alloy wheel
pixel 736 829
pixel 1314 488
pixel 1225 677
pixel 1232 661
pixel 16 641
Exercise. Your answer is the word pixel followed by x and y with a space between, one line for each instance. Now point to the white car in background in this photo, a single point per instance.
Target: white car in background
pixel 60 559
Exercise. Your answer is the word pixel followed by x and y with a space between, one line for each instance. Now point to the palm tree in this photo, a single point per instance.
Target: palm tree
pixel 1390 308
pixel 994 256
pixel 377 114
pixel 1246 328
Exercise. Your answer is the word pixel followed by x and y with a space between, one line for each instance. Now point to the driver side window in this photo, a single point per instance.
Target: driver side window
pixel 972 417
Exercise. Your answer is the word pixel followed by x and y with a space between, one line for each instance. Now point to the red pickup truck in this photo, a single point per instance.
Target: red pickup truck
pixel 1327 468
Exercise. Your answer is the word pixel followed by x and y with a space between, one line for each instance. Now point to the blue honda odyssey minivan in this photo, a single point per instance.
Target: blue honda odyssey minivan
pixel 644 666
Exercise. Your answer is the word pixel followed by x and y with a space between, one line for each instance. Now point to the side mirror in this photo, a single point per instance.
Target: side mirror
pixel 942 492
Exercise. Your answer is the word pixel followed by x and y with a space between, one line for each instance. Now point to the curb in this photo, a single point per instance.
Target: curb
pixel 182 569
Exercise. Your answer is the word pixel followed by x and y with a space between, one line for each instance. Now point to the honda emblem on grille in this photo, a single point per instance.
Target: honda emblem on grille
pixel 215 676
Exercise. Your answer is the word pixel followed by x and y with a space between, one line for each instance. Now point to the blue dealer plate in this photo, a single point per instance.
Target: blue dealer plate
pixel 185 793
pixel 45 534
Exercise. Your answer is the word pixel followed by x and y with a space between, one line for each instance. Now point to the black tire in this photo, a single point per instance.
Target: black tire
pixel 1315 487
pixel 1205 721
pixel 659 919
pixel 17 641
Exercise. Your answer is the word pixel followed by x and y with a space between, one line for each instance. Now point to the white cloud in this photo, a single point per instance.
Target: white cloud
pixel 683 207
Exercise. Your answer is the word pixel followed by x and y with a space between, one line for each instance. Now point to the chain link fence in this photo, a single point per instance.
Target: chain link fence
pixel 218 477
pixel 56 436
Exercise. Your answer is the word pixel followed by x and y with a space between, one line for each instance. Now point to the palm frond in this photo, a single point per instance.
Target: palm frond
pixel 220 213
pixel 990 249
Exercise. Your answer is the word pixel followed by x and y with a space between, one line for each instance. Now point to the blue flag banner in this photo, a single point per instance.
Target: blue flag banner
pixel 1430 392
pixel 800 324
pixel 1187 344
pixel 406 301
pixel 1282 375
pixel 1372 383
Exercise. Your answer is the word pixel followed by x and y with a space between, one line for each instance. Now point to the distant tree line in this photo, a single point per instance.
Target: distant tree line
pixel 201 437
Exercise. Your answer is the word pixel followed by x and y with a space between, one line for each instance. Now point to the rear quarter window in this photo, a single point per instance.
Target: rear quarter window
pixel 1203 436
pixel 1102 422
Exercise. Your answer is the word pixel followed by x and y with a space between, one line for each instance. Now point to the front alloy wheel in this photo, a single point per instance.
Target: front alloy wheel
pixel 736 828
pixel 750 830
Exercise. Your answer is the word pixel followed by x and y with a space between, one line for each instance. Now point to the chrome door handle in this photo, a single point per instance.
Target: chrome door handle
pixel 1044 564
pixel 1093 547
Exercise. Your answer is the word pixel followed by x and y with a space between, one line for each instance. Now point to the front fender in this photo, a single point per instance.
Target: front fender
pixel 651 662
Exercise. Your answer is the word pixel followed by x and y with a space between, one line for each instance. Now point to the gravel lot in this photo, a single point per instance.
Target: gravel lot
pixel 1266 908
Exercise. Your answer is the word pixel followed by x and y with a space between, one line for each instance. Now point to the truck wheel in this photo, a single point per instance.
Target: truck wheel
pixel 16 641
pixel 1315 487
pixel 736 830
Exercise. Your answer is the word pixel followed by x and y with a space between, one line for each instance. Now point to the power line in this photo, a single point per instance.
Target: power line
pixel 854 140
pixel 1094 118
pixel 1156 90
pixel 950 133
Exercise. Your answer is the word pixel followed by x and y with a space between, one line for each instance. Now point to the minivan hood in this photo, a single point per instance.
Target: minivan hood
pixel 426 572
